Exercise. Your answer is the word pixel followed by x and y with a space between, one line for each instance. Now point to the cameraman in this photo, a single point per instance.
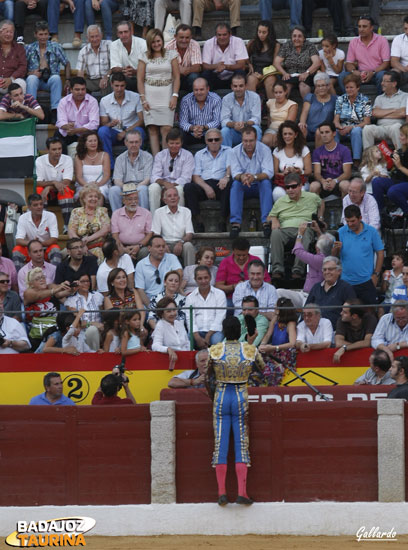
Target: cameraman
pixel 107 393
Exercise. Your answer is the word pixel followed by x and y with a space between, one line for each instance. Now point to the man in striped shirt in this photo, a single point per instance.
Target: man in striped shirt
pixel 199 111
pixel 189 56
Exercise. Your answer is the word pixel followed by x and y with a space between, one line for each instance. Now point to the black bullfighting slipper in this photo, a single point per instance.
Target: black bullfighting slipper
pixel 244 501
pixel 222 500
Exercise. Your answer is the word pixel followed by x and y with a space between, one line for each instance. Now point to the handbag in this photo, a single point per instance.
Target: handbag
pixel 40 324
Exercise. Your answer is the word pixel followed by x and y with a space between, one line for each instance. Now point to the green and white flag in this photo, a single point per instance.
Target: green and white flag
pixel 17 149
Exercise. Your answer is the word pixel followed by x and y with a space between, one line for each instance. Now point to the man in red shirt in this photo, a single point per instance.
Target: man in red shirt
pixel 107 393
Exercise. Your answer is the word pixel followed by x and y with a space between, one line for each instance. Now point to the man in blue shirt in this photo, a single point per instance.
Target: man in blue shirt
pixel 358 244
pixel 53 392
pixel 252 171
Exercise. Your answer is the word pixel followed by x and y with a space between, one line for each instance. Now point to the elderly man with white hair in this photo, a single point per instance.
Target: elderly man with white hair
pixel 314 332
pixel 94 61
pixel 368 205
pixel 192 378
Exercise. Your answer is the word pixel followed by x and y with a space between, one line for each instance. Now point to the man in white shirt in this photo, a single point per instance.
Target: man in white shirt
pixel 207 322
pixel 357 194
pixel 192 378
pixel 399 54
pixel 94 61
pixel 314 332
pixel 39 224
pixel 173 223
pixel 112 260
pixel 14 335
pixel 55 173
pixel 125 52
pixel 256 286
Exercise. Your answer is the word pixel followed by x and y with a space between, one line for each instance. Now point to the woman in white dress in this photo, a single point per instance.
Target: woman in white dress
pixel 92 164
pixel 158 82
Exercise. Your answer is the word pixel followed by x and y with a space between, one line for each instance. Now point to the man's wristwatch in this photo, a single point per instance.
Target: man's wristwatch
pixel 344 346
pixel 377 273
pixel 299 236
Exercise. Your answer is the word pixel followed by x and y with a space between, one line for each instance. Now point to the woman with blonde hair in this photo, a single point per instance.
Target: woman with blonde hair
pixel 373 165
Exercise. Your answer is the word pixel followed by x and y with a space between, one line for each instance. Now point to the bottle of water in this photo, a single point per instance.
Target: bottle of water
pixel 332 222
pixel 253 222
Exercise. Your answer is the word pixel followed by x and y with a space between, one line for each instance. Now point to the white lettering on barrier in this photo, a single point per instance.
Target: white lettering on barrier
pixel 293 398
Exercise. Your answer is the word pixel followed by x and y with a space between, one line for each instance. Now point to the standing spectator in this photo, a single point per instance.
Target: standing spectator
pixel 211 179
pixel 239 109
pixel 399 54
pixel 205 256
pixel 360 245
pixel 189 56
pixel 207 323
pixel 44 59
pixel 35 252
pixel 251 170
pixel 199 111
pixel 358 196
pixel 172 167
pixel 13 61
pixel 200 6
pixel 7 267
pixel 38 224
pixel 55 172
pixel 391 333
pixel 76 264
pixel 280 110
pixel 158 81
pixel 222 56
pixel 256 286
pixel 368 55
pixel 92 165
pixel 162 6
pixel 121 112
pixel 132 224
pixel 173 223
pixel 93 62
pixel 125 53
pixel 16 105
pixel 114 259
pixel 314 332
pixel 262 51
pixel 379 371
pixel 106 8
pixel 77 113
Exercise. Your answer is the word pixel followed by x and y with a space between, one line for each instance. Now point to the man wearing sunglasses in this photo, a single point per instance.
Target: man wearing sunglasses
pixel 288 212
pixel 13 336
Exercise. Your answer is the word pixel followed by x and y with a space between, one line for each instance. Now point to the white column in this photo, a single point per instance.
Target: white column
pixel 163 450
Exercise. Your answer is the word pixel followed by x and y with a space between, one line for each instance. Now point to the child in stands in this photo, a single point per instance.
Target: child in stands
pixel 130 341
pixel 110 336
pixel 373 165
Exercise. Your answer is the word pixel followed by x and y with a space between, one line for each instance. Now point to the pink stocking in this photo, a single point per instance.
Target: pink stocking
pixel 241 469
pixel 221 473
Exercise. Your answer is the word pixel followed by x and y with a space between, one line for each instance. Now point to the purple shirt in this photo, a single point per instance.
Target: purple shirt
pixel 315 262
pixel 131 230
pixel 235 51
pixel 87 116
pixel 332 161
pixel 7 266
pixel 371 56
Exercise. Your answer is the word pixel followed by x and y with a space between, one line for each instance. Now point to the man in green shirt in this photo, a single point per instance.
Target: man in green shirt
pixel 250 306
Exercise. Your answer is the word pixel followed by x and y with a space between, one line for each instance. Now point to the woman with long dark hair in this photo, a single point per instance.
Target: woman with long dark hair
pixel 92 164
pixel 262 51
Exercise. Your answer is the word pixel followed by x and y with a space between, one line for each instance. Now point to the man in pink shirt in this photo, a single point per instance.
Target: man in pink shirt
pixel 77 113
pixel 36 252
pixel 222 56
pixel 189 56
pixel 368 55
pixel 132 225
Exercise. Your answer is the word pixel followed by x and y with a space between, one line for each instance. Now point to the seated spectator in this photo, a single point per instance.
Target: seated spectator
pixel 77 113
pixel 262 51
pixel 111 384
pixel 21 8
pixel 358 196
pixel 354 329
pixel 132 224
pixel 257 287
pixel 89 322
pixel 280 109
pixel 131 333
pixel 7 267
pixel 16 105
pixel 373 165
pixel 396 187
pixel 35 251
pixel 314 332
pixel 401 291
pixel 121 112
pixel 379 371
pixel 106 9
pixel 399 372
pixel 113 259
pixel 223 54
pixel 92 166
pixel 207 322
pixel 389 110
pixel 53 392
pixel 55 173
pixel 250 306
pixel 169 334
pixel 12 57
pixel 199 111
pixel 281 333
pixel 251 170
pixel 172 167
pixel 125 53
pixel 199 6
pixel 287 214
pixel 52 338
pixel 172 290
pixel 189 56
pixel 44 60
pixel 204 256
pixel 399 54
pixel 266 8
pixel 14 335
pixel 211 179
pixel 173 223
pixel 352 114
pixel 331 62
pixel 297 61
pixel 77 7
pixel 110 336
pixel 90 222
pixel 361 248
pixel 93 62
pixel 391 333
pixel 323 246
pixel 76 264
pixel 392 278
pixel 332 164
pixel 133 167
pixel 240 109
pixel 290 156
pixel 10 302
pixel 368 55
pixel 234 269
pixel 121 296
pixel 317 108
pixel 150 271
pixel 75 336
pixel 192 378
pixel 36 224
pixel 332 291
